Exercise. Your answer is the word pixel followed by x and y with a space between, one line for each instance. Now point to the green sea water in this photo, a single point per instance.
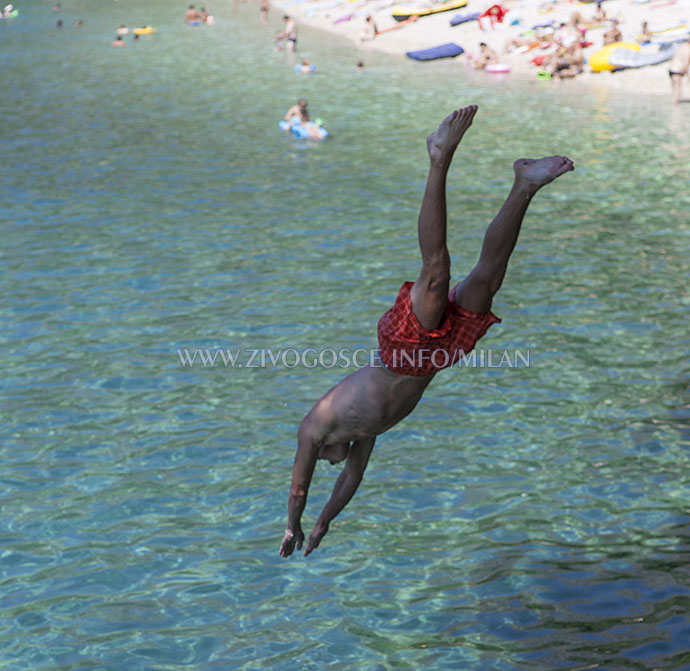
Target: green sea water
pixel 533 517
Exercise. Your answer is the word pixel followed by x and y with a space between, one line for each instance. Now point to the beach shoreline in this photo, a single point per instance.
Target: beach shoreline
pixel 429 31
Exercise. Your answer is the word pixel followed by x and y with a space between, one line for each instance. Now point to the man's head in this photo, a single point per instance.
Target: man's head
pixel 334 453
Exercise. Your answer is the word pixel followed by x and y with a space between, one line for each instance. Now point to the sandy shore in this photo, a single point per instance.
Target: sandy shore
pixel 434 30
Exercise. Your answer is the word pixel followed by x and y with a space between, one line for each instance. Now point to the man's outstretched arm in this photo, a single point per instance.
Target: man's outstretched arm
pixel 345 488
pixel 305 461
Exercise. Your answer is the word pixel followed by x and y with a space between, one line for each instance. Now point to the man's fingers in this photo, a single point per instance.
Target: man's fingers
pixel 289 541
pixel 314 539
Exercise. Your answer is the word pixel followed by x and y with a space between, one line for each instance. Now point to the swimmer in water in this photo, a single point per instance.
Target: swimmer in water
pixel 426 318
pixel 290 33
pixel 192 15
pixel 299 110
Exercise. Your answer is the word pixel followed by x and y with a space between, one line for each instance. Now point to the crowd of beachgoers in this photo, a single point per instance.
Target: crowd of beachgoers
pixel 645 44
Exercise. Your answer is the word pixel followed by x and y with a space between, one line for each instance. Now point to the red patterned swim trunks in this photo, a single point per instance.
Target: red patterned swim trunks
pixel 408 348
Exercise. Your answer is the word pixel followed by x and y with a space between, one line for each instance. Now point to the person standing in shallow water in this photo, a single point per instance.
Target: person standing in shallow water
pixel 290 33
pixel 192 15
pixel 679 67
pixel 344 423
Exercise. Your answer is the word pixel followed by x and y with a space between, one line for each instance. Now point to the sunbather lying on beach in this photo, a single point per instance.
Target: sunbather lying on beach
pixel 423 332
pixel 526 42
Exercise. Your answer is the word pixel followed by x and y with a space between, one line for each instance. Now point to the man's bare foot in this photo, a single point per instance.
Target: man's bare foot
pixel 442 142
pixel 334 453
pixel 534 173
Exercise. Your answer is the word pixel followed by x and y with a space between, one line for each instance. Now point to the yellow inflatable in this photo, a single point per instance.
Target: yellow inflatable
pixel 401 13
pixel 599 60
pixel 146 30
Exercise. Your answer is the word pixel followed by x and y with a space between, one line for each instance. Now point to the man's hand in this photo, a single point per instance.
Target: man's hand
pixel 290 539
pixel 320 530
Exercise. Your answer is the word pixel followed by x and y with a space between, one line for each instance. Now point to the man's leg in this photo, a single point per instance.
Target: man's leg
pixel 430 292
pixel 477 290
pixel 676 86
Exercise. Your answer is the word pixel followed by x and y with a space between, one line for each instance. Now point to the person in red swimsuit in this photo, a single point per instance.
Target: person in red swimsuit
pixel 424 331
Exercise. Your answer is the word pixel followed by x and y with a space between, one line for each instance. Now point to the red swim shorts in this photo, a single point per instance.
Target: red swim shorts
pixel 409 349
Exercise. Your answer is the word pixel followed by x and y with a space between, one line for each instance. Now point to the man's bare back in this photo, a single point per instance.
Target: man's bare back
pixel 345 422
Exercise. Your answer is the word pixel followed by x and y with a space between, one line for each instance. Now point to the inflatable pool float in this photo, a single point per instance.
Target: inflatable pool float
pixel 400 13
pixel 146 30
pixel 310 68
pixel 627 58
pixel 449 50
pixel 300 131
pixel 600 60
pixel 497 68
pixel 464 18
